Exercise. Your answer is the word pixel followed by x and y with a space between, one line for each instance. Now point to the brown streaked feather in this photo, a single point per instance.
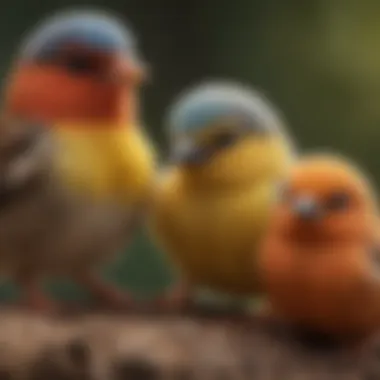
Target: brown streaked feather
pixel 45 228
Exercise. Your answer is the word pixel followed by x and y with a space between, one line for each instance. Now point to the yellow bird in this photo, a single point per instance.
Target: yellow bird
pixel 229 151
pixel 80 75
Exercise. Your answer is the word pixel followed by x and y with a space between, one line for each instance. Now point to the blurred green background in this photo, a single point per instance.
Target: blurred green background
pixel 317 60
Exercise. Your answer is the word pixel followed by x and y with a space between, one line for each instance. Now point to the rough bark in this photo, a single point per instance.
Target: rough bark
pixel 147 346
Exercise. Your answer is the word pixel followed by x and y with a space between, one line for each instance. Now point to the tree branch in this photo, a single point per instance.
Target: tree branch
pixel 147 346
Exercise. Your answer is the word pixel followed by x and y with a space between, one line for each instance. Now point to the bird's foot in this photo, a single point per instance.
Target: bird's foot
pixel 315 341
pixel 38 302
pixel 32 296
pixel 178 299
pixel 109 296
pixel 115 300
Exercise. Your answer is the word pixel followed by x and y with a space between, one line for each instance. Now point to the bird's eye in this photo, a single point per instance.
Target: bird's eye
pixel 79 64
pixel 224 139
pixel 338 201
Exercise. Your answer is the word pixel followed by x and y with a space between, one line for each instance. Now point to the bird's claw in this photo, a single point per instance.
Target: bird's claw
pixel 116 300
pixel 177 300
pixel 108 296
pixel 39 303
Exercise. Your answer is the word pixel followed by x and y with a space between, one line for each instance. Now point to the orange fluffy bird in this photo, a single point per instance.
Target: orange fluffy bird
pixel 320 261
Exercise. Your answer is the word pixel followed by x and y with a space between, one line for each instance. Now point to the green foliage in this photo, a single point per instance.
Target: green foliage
pixel 319 62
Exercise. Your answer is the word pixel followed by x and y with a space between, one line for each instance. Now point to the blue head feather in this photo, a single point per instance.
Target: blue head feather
pixel 209 104
pixel 92 29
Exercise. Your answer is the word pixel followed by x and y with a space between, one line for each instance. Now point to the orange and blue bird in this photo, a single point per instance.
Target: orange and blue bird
pixel 79 74
pixel 229 149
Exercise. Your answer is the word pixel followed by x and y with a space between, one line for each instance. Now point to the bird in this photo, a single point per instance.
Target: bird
pixel 319 262
pixel 79 75
pixel 228 150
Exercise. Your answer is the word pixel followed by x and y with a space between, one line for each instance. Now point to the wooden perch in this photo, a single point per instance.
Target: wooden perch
pixel 151 347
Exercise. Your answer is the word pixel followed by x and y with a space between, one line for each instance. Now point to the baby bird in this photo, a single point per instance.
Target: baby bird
pixel 319 261
pixel 229 150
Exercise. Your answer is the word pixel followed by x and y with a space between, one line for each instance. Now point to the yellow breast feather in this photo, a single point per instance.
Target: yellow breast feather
pixel 211 237
pixel 114 163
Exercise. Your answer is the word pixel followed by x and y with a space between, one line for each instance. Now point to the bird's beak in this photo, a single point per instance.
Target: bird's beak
pixel 188 153
pixel 307 208
pixel 126 71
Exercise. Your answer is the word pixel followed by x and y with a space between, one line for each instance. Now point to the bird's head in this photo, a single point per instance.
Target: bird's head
pixel 227 134
pixel 326 198
pixel 75 66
